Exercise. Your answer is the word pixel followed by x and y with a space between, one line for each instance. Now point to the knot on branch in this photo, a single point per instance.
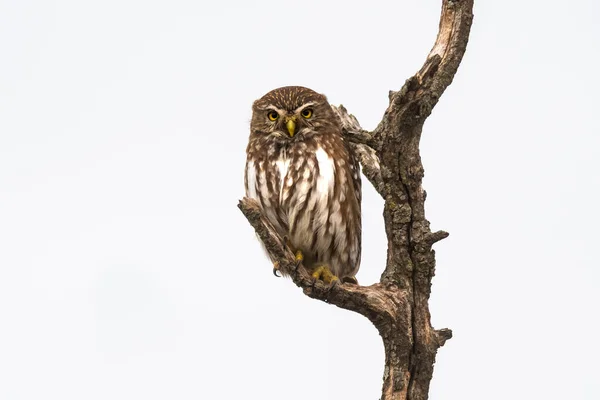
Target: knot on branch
pixel 443 335
pixel 428 240
pixel 434 237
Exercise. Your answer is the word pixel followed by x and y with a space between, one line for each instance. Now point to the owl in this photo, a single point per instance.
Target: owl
pixel 306 178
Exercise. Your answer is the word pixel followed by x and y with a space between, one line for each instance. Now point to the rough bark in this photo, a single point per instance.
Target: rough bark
pixel 390 159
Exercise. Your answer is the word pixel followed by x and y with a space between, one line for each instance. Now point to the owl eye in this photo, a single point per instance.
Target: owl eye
pixel 307 113
pixel 273 115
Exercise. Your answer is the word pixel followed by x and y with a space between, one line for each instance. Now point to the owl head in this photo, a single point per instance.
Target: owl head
pixel 292 113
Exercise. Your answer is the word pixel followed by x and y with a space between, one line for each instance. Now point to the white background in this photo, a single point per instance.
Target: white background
pixel 127 271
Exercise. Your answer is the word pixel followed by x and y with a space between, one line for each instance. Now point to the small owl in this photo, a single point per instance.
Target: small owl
pixel 306 179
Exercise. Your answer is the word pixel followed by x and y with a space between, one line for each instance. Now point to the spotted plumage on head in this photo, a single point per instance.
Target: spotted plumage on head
pixel 306 179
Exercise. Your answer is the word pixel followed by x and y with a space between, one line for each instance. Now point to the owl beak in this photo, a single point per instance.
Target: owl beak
pixel 291 127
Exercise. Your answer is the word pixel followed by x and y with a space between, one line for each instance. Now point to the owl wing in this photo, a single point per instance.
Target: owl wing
pixel 354 246
pixel 263 182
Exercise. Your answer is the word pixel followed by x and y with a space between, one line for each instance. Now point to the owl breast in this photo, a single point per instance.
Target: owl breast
pixel 307 199
pixel 311 198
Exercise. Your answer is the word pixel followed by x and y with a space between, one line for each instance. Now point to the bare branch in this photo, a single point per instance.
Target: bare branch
pixel 421 92
pixel 360 141
pixel 411 261
pixel 375 302
pixel 350 126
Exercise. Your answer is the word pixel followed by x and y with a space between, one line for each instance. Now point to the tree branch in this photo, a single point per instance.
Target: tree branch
pixel 390 159
pixel 374 302
pixel 360 140
pixel 411 260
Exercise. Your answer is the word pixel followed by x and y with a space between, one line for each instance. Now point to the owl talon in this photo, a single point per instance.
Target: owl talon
pixel 276 269
pixel 333 284
pixel 299 257
pixel 324 274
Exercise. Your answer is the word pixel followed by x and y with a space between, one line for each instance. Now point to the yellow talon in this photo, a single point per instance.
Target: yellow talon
pixel 276 268
pixel 299 256
pixel 324 273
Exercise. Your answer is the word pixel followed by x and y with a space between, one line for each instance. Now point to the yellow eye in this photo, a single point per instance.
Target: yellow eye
pixel 307 113
pixel 273 115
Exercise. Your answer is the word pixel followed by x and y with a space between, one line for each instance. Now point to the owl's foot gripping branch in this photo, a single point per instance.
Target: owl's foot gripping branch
pixel 323 273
